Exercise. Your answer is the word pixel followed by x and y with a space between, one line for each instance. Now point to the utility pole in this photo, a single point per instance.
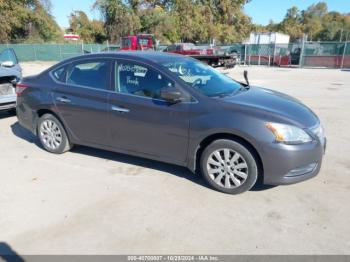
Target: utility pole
pixel 302 51
pixel 344 52
pixel 341 35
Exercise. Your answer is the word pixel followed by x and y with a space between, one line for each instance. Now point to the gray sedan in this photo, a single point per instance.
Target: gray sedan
pixel 174 109
pixel 10 73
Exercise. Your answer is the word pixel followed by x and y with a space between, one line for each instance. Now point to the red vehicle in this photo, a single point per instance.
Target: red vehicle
pixel 188 49
pixel 138 42
pixel 211 56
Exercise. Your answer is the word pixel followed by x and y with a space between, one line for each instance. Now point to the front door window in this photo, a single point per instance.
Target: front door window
pixel 140 80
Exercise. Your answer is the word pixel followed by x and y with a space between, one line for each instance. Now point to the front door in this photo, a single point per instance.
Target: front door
pixel 140 120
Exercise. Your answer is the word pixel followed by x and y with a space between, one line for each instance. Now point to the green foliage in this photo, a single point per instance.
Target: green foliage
pixel 89 31
pixel 176 20
pixel 27 20
pixel 119 18
pixel 170 21
pixel 316 22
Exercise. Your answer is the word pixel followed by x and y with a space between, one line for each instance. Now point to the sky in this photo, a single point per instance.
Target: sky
pixel 261 11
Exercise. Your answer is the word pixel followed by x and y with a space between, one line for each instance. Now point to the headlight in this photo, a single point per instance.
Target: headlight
pixel 288 134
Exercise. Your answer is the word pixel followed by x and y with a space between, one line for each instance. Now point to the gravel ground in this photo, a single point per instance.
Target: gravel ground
pixel 90 201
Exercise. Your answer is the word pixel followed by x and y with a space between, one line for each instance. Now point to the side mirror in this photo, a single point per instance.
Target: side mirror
pixel 245 74
pixel 171 95
pixel 8 64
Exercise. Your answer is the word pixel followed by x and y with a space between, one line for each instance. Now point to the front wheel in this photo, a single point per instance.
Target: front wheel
pixel 52 135
pixel 229 167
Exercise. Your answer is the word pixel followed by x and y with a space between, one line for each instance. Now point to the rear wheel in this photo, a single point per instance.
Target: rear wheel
pixel 229 167
pixel 52 135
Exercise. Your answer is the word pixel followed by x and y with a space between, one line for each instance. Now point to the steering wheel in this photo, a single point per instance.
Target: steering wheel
pixel 197 82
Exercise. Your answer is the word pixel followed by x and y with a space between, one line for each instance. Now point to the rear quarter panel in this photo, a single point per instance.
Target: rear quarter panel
pixel 37 96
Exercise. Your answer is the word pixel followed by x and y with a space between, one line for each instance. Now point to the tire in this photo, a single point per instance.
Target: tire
pixel 52 135
pixel 234 172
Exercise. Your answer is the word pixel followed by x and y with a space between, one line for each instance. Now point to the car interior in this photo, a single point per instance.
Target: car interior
pixel 90 75
pixel 148 83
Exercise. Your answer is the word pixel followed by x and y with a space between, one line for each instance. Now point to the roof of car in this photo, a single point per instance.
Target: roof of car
pixel 146 56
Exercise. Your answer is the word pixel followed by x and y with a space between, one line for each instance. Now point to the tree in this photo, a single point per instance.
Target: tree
pixel 316 21
pixel 27 20
pixel 119 18
pixel 312 19
pixel 176 20
pixel 89 31
pixel 292 24
pixel 47 5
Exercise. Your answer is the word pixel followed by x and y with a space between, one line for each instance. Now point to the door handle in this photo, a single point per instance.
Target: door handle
pixel 63 100
pixel 120 109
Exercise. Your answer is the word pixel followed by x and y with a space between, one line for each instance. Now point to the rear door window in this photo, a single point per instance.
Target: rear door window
pixel 60 74
pixel 92 74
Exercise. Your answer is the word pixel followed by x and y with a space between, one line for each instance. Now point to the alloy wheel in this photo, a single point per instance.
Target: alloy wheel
pixel 227 168
pixel 50 134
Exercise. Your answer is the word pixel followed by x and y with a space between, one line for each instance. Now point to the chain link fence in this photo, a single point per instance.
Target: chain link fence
pixel 308 54
pixel 51 52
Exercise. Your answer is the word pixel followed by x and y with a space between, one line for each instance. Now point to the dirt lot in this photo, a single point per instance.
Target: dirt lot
pixel 91 201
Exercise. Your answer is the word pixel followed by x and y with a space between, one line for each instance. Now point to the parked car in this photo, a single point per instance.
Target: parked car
pixel 10 72
pixel 213 56
pixel 174 109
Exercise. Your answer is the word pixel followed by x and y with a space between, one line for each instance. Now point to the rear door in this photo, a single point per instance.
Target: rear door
pixel 140 120
pixel 81 98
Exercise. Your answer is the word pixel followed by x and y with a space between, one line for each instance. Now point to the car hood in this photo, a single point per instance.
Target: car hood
pixel 9 72
pixel 274 106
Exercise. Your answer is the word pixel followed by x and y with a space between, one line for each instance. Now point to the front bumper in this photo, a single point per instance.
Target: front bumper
pixel 7 106
pixel 289 164
pixel 7 102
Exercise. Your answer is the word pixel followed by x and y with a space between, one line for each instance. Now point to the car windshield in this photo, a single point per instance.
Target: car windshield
pixel 8 55
pixel 201 77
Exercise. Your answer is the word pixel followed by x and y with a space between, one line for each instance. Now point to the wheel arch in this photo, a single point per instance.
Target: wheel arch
pixel 43 111
pixel 217 136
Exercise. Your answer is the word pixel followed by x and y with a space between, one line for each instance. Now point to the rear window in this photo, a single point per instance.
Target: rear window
pixel 126 42
pixel 143 41
pixel 60 74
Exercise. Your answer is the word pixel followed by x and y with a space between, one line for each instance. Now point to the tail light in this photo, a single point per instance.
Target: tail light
pixel 20 88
